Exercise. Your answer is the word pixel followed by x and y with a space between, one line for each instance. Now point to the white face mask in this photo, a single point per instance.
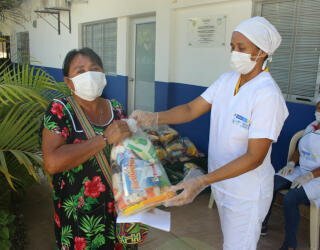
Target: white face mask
pixel 89 85
pixel 317 115
pixel 242 63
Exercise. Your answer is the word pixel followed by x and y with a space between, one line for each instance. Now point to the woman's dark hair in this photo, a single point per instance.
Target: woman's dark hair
pixel 85 52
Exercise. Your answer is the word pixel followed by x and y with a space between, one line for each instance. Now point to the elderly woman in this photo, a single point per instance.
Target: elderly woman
pixel 84 212
pixel 247 115
pixel 303 180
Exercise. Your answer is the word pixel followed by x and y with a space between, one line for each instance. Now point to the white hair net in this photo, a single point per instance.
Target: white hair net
pixel 261 33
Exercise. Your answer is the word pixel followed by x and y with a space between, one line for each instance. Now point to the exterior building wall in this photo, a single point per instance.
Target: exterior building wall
pixel 181 72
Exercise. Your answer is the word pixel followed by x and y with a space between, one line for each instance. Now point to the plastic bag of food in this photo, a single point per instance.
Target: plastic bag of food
pixel 139 180
pixel 167 134
pixel 190 148
pixel 153 136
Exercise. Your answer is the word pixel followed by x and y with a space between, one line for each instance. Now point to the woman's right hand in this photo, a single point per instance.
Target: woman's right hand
pixel 145 119
pixel 117 131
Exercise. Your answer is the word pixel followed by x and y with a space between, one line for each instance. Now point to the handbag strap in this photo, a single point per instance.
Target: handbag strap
pixel 89 132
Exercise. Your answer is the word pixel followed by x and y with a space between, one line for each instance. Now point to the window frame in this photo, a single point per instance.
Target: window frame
pixel 83 43
pixel 257 10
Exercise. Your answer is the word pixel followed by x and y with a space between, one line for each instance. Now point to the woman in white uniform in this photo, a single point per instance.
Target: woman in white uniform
pixel 247 114
pixel 303 180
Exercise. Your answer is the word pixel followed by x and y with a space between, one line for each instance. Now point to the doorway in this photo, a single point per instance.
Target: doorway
pixel 142 64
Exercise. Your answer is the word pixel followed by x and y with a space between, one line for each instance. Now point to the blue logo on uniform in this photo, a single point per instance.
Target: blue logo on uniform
pixel 241 121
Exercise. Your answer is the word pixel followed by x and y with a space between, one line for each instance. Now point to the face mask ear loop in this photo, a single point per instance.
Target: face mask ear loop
pixel 266 62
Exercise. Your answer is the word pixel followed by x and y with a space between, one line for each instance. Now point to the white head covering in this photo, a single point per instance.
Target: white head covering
pixel 317 99
pixel 261 33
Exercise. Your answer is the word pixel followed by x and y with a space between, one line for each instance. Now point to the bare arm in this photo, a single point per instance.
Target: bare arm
pixel 256 152
pixel 295 156
pixel 184 113
pixel 59 156
pixel 316 172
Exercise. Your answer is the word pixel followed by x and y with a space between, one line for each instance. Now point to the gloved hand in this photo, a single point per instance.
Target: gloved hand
pixel 303 179
pixel 145 119
pixel 288 169
pixel 191 188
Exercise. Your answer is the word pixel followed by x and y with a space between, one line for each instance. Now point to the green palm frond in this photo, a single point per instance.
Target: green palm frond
pixel 24 92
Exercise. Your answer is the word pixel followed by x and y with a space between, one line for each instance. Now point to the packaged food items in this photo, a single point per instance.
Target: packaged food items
pixel 190 148
pixel 175 149
pixel 153 136
pixel 161 153
pixel 191 170
pixel 167 134
pixel 139 180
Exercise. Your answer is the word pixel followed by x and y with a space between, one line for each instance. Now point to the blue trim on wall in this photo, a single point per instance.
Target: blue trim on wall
pixel 177 94
pixel 168 95
pixel 55 72
pixel 300 115
pixel 161 96
pixel 117 88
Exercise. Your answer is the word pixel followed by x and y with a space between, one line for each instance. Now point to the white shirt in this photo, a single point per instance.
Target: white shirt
pixel 258 110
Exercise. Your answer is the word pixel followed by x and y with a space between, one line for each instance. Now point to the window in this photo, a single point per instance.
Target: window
pixel 102 38
pixel 295 65
pixel 4 48
pixel 23 54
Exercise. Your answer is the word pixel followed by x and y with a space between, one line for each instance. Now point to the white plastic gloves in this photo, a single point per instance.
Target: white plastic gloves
pixel 145 119
pixel 191 188
pixel 303 179
pixel 288 169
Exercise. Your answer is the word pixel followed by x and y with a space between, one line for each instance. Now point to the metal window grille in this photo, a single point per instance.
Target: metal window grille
pixel 102 38
pixel 295 65
pixel 23 53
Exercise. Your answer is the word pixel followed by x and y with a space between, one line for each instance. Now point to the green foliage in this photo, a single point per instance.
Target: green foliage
pixel 10 11
pixel 25 92
pixel 6 229
pixel 66 235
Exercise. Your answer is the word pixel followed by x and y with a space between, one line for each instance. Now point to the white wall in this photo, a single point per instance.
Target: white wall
pixel 201 66
pixel 174 60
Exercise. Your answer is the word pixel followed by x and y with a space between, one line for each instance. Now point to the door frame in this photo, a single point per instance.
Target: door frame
pixel 132 53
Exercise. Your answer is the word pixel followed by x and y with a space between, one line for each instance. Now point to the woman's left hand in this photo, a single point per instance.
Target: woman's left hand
pixel 117 131
pixel 191 188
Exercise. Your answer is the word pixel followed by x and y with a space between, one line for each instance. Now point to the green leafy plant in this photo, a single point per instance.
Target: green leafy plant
pixel 10 11
pixel 25 92
pixel 6 229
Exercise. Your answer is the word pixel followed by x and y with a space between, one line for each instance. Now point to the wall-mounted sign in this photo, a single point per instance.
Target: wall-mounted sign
pixel 206 31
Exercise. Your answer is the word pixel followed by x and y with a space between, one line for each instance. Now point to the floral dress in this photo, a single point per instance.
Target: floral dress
pixel 84 213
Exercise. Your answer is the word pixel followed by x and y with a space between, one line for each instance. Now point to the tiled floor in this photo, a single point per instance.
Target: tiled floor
pixel 194 226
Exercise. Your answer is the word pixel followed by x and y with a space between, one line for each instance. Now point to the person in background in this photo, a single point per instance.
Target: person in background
pixel 84 213
pixel 247 114
pixel 301 177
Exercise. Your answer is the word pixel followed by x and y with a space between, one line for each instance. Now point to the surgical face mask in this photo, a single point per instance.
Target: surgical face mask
pixel 317 115
pixel 242 63
pixel 89 85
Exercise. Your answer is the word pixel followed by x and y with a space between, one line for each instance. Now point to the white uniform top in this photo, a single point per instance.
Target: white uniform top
pixel 309 151
pixel 258 110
